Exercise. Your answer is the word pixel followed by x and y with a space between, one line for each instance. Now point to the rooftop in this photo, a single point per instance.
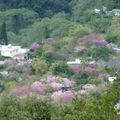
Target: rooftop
pixel 116 10
pixel 19 55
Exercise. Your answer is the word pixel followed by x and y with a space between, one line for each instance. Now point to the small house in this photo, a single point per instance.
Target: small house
pixel 15 52
pixel 98 11
pixel 111 79
pixel 76 62
pixel 116 12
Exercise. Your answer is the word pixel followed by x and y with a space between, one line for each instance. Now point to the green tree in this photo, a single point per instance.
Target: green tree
pixel 16 23
pixel 47 56
pixel 81 77
pixel 102 53
pixel 39 66
pixel 37 108
pixel 46 32
pixel 3 35
pixel 32 108
pixel 60 68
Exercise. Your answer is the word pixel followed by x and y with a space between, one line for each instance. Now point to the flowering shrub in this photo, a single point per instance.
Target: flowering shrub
pixel 64 96
pixel 21 91
pixel 34 46
pixel 54 79
pixel 75 68
pixel 49 50
pixel 68 95
pixel 57 95
pixel 83 92
pixel 38 87
pixel 10 62
pixel 90 70
pixel 90 86
pixel 103 77
pixel 56 86
pixel 47 40
pixel 43 87
pixel 26 70
pixel 96 39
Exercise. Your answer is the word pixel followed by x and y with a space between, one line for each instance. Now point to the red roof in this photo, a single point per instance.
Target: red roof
pixel 19 55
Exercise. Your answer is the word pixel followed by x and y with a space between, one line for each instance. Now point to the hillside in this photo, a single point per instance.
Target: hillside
pixel 71 69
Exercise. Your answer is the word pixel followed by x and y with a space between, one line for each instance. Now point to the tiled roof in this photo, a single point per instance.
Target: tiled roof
pixel 19 55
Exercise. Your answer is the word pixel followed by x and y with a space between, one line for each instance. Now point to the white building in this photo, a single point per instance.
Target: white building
pixel 117 49
pixel 111 79
pixel 98 11
pixel 16 52
pixel 116 12
pixel 76 62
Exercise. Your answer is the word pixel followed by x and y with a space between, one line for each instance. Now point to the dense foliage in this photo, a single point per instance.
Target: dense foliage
pixel 48 84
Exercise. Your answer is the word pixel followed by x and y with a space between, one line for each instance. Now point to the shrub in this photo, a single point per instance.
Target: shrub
pixel 60 67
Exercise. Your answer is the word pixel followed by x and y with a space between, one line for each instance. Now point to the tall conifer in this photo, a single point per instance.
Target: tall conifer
pixel 3 34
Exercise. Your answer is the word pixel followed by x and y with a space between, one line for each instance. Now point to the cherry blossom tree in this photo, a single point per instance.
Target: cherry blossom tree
pixel 90 70
pixel 96 39
pixel 34 46
pixel 64 96
pixel 91 86
pixel 75 68
pixel 38 87
pixel 21 91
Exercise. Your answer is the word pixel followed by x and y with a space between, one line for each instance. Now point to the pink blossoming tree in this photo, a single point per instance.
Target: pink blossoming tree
pixel 34 46
pixel 90 86
pixel 64 96
pixel 96 39
pixel 38 87
pixel 75 68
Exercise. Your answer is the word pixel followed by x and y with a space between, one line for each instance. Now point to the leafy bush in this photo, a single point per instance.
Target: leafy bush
pixel 81 77
pixel 59 68
pixel 32 108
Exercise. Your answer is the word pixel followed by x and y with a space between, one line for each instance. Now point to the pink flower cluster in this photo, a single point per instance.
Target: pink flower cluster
pixel 20 91
pixel 38 87
pixel 26 70
pixel 49 50
pixel 83 92
pixel 64 96
pixel 103 77
pixel 75 68
pixel 90 86
pixel 56 86
pixel 47 40
pixel 54 79
pixel 90 70
pixel 34 46
pixel 10 62
pixel 96 39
